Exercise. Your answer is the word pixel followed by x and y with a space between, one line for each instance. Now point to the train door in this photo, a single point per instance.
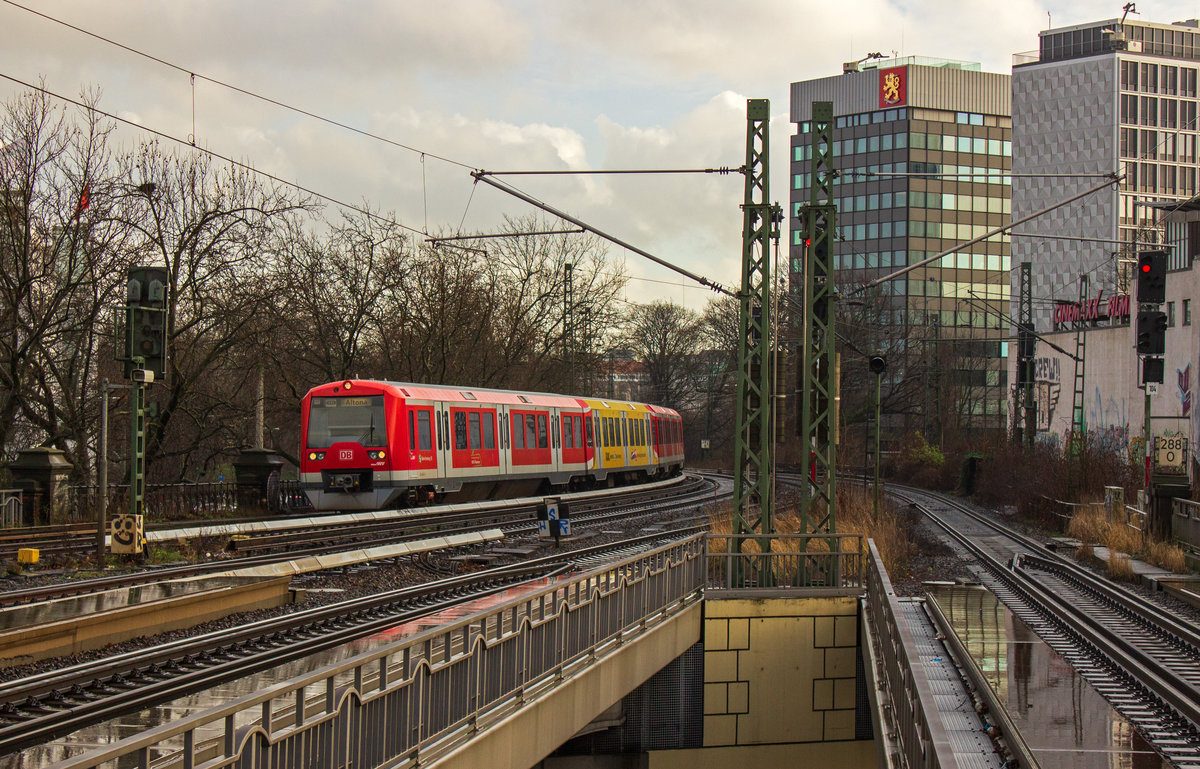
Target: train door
pixel 504 439
pixel 442 412
pixel 422 455
pixel 555 441
pixel 624 438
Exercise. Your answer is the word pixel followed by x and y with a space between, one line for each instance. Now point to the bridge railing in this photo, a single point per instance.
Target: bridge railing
pixel 740 562
pixel 908 688
pixel 414 700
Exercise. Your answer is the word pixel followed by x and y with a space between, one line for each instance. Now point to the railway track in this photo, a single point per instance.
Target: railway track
pixel 265 549
pixel 1143 659
pixel 40 708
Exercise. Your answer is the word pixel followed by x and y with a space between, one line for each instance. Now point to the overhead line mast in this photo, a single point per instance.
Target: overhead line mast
pixel 753 481
pixel 818 383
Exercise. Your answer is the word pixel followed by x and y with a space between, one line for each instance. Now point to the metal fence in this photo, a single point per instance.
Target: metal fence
pixel 183 501
pixel 738 561
pixel 1185 523
pixel 908 689
pixel 416 699
pixel 10 508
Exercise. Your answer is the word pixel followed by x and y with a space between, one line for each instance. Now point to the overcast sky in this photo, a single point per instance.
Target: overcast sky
pixel 510 84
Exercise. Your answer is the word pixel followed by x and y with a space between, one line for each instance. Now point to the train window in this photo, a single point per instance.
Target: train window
pixel 489 431
pixel 569 433
pixel 412 430
pixel 588 423
pixel 518 431
pixel 530 431
pixel 354 419
pixel 541 428
pixel 473 424
pixel 624 432
pixel 460 430
pixel 424 433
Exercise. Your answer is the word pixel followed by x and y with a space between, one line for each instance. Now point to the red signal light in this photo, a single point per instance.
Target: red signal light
pixel 807 242
pixel 1145 268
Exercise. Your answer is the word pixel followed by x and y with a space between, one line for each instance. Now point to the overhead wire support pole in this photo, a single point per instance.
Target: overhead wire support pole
pixel 485 177
pixel 818 383
pixel 753 480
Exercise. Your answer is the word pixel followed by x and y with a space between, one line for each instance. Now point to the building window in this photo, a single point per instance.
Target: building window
pixel 1170 315
pixel 1187 312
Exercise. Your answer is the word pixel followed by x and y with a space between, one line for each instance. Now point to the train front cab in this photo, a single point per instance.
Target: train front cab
pixel 347 457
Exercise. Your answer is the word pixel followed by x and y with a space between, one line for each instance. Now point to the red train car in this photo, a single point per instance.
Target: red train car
pixel 369 445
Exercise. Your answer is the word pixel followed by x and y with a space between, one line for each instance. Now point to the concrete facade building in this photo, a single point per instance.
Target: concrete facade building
pixel 1108 97
pixel 1100 98
pixel 922 148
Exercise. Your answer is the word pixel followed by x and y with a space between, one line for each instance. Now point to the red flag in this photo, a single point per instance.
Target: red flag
pixel 83 200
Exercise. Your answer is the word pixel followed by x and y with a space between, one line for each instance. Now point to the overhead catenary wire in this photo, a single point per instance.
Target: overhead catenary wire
pixel 505 235
pixel 723 170
pixel 237 89
pixel 214 154
pixel 484 176
pixel 1111 179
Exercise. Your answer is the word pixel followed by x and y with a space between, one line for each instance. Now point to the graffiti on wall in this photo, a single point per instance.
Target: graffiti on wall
pixel 1047 378
pixel 1185 390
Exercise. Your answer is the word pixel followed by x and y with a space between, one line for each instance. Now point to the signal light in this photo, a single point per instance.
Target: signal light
pixel 1151 332
pixel 1152 277
pixel 1152 370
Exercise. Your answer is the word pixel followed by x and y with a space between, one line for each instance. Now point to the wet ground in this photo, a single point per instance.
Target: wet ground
pixel 1062 718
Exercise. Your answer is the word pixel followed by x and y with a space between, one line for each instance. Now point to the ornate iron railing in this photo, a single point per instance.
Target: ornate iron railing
pixel 414 700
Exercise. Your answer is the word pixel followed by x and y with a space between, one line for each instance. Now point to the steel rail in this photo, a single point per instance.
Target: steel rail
pixel 79 587
pixel 314 630
pixel 1170 693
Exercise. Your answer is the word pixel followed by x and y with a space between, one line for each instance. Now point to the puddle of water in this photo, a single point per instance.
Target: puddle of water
pixel 1062 718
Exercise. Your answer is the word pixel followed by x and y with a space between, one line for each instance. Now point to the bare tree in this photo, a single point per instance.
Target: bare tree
pixel 214 228
pixel 62 252
pixel 665 337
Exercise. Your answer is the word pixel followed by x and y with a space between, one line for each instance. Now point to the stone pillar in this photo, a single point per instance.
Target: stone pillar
pixel 41 474
pixel 258 472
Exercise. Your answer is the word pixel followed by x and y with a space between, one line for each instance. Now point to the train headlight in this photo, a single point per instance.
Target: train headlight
pixel 312 456
pixel 380 454
pixel 347 384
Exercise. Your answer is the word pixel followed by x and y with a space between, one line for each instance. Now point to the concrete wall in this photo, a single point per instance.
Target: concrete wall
pixel 778 671
pixel 1113 402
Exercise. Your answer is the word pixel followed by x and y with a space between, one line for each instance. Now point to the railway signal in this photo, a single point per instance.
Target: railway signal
pixel 1152 277
pixel 145 358
pixel 1151 332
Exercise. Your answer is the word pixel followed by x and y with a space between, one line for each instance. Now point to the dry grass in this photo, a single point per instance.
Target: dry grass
pixel 854 516
pixel 1164 555
pixel 1119 567
pixel 1088 525
pixel 1091 526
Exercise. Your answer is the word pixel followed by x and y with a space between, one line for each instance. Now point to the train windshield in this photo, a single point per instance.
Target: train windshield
pixel 348 418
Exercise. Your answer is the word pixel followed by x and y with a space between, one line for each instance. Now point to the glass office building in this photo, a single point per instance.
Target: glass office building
pixel 923 153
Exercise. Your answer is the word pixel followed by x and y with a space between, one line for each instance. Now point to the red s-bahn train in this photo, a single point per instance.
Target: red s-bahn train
pixel 370 445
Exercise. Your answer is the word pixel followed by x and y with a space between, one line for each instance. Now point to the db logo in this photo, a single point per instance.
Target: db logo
pixel 345 454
